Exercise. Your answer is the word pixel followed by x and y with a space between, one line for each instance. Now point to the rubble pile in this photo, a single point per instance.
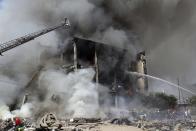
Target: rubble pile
pixel 158 126
pixel 121 121
pixel 49 122
pixel 166 126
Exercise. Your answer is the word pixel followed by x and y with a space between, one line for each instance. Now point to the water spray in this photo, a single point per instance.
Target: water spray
pixel 162 80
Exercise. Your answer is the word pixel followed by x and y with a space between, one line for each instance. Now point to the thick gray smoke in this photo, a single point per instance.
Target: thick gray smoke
pixel 18 65
pixel 28 16
pixel 164 28
pixel 166 31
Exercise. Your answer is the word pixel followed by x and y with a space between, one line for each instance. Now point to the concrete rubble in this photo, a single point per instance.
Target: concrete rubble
pixel 49 122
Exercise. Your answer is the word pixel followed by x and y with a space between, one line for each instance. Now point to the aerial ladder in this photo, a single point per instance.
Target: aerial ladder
pixel 24 39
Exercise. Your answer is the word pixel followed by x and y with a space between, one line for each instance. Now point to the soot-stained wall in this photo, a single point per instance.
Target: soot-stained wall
pixel 113 62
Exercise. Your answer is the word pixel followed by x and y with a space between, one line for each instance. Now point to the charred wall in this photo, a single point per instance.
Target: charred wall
pixel 112 62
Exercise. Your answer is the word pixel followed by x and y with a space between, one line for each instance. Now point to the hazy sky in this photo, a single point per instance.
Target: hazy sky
pixel 0 3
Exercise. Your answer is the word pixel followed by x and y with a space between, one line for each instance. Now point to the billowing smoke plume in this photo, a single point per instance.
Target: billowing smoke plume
pixel 75 91
pixel 165 29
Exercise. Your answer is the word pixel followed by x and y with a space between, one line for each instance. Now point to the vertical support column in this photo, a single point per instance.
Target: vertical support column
pixel 75 57
pixel 142 82
pixel 97 75
pixel 62 57
pixel 115 86
pixel 24 100
pixel 96 68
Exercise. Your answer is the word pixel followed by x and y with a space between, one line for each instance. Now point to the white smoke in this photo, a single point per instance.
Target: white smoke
pixel 5 113
pixel 77 92
pixel 25 111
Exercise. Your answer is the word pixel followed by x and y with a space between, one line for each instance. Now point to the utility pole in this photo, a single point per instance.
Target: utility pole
pixel 75 56
pixel 96 68
pixel 179 98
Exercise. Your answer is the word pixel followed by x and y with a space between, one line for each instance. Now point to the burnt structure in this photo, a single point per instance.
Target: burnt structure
pixel 111 65
pixel 139 65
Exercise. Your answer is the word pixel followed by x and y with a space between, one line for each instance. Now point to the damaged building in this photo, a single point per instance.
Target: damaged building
pixel 111 65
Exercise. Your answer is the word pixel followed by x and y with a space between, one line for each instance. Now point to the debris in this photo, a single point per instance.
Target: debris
pixel 121 121
pixel 49 120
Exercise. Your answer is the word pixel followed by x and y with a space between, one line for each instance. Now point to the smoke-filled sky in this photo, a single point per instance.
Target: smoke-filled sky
pixel 164 28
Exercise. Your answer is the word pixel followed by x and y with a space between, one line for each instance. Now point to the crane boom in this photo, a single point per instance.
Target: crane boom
pixel 24 39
